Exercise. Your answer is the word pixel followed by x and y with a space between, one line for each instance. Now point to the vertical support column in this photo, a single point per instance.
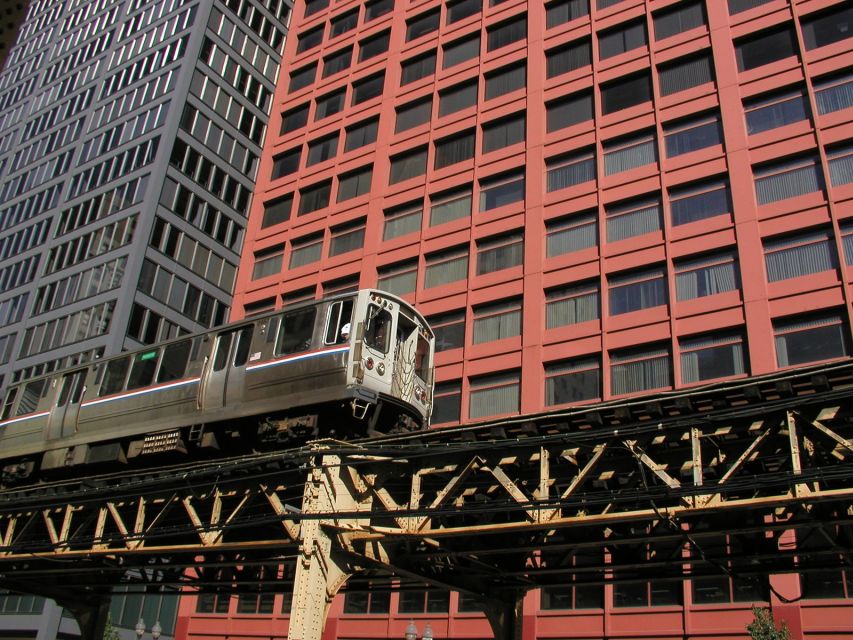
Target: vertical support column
pixel 506 618
pixel 91 617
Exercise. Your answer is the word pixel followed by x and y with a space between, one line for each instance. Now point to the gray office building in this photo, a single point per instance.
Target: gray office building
pixel 130 132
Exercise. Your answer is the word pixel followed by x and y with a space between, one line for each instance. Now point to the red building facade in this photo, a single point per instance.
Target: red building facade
pixel 588 199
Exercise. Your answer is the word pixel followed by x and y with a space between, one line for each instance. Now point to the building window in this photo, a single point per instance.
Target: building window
pixel 210 603
pixel 779 110
pixel 361 134
pixel 693 135
pixel 636 291
pixel 423 601
pixel 629 153
pixel 449 330
pixel 400 278
pixel 374 600
pixel 348 284
pixel 315 6
pixel 643 369
pixel 840 161
pixel 724 589
pixel 652 593
pixel 506 33
pixel 302 78
pixel 329 104
pixel 815 338
pixel 315 197
pixel 698 202
pixel 501 191
pixel 494 395
pixel 799 255
pixel 408 165
pixel 631 219
pixel 706 276
pixel 306 250
pixel 295 118
pixel 622 39
pixel 413 115
pixel 563 11
pixel 847 242
pixel 503 133
pixel 447 402
pixel 446 267
pixel 787 179
pixel 685 74
pixel 572 305
pixel 625 93
pixel 402 221
pixel 374 46
pixel 417 68
pixel 377 9
pixel 286 163
pixel 572 381
pixel 451 206
pixel 826 583
pixel 457 98
pixel 322 149
pixel 568 112
pixel 461 9
pixel 570 234
pixel 506 80
pixel 355 183
pixel 497 321
pixel 422 25
pixel 739 6
pixel 827 27
pixel 367 89
pixel 834 94
pixel 683 17
pixel 346 238
pixel 277 211
pixel 569 171
pixel 604 4
pixel 496 254
pixel 765 48
pixel 454 149
pixel 342 24
pixel 337 62
pixel 309 39
pixel 268 262
pixel 711 357
pixel 575 55
pixel 461 50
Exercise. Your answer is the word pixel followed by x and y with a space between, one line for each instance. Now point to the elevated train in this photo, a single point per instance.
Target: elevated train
pixel 352 365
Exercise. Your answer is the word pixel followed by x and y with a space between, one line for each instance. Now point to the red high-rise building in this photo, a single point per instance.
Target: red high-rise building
pixel 588 199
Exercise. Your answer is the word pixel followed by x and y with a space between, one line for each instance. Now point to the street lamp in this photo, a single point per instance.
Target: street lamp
pixel 412 631
pixel 427 632
pixel 156 630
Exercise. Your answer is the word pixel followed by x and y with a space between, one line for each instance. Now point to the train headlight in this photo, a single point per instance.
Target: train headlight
pixel 381 369
pixel 368 364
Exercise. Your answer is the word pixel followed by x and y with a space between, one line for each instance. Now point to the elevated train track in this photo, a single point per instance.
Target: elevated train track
pixel 741 479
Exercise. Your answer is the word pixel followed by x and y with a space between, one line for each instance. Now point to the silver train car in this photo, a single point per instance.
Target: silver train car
pixel 353 365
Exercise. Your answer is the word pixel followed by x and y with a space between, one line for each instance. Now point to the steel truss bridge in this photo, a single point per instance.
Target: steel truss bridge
pixel 741 479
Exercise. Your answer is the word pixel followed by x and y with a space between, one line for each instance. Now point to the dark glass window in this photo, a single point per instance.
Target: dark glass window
pixel 706 276
pixel 361 134
pixel 296 331
pixel 494 394
pixel 497 321
pixel 622 39
pixel 461 9
pixel 277 211
pixel 450 206
pixel 641 369
pixel 496 254
pixel 626 93
pixel 633 218
pixel 454 149
pixel 771 112
pixel 402 221
pixel 501 191
pixel 268 262
pixel 447 402
pixel 575 55
pixel 413 114
pixel 738 6
pixel 799 255
pixel 711 357
pixel 295 118
pixel 698 202
pixel 314 197
pixel 286 163
pixel 569 111
pixel 693 135
pixel 376 601
pixel 417 68
pixel 343 23
pixel 636 291
pixel 815 338
pixel 563 11
pixel 827 27
pixel 302 78
pixel 572 305
pixel 503 133
pixel 374 46
pixel 315 6
pixel 840 161
pixel 572 381
pixel 787 179
pixel 457 98
pixel 574 233
pixel 680 18
pixel 685 74
pixel 506 80
pixel 306 250
pixel 309 39
pixel 764 48
pixel 329 104
pixel 422 25
pixel 322 149
pixel 424 601
pixel 367 89
pixel 834 94
pixel 337 62
pixel 459 51
pixel 355 183
pixel 346 238
pixel 449 331
pixel 569 171
pixel 506 33
pixel 377 8
pixel 408 165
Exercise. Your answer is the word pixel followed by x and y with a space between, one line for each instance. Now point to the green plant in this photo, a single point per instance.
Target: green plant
pixel 764 628
pixel 110 632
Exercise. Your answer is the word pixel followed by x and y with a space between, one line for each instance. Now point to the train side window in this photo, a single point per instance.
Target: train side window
pixel 10 401
pixel 197 342
pixel 30 397
pixel 340 316
pixel 142 371
pixel 272 329
pixel 297 328
pixel 114 375
pixel 244 342
pixel 377 329
pixel 174 361
pixel 223 348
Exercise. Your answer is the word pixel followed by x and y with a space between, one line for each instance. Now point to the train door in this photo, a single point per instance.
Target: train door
pixel 223 383
pixel 63 415
pixel 378 343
